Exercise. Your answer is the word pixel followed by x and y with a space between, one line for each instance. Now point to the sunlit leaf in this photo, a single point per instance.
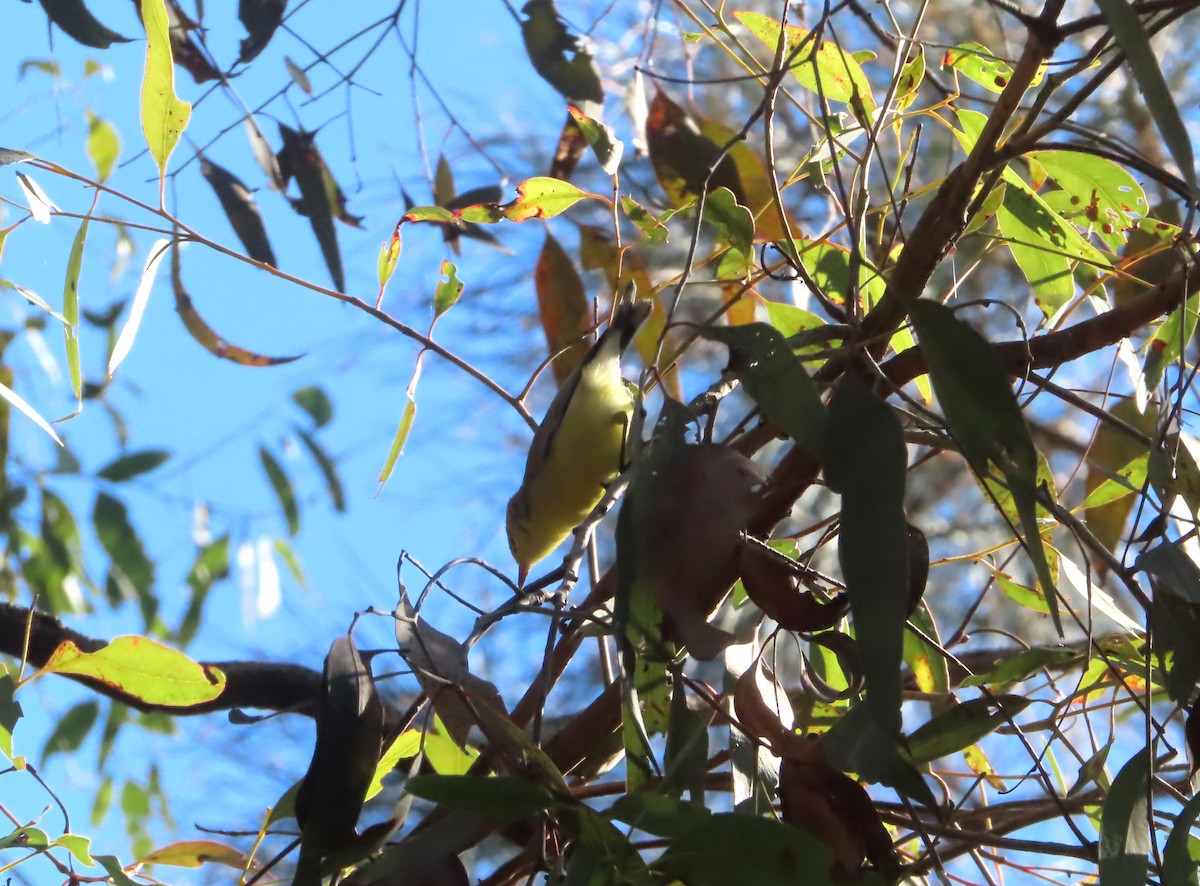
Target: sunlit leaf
pixel 129 332
pixel 70 314
pixel 103 145
pixel 28 411
pixel 603 140
pixel 195 853
pixel 141 668
pixel 448 291
pixel 40 206
pixel 164 115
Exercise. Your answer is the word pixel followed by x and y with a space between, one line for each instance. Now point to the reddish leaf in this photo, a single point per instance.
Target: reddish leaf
pixel 682 156
pixel 771 583
pixel 563 308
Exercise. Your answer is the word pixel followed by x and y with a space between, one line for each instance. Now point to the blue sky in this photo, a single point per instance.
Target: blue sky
pixel 464 458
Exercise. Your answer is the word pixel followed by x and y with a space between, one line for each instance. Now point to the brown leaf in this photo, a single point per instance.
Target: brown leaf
pixel 682 156
pixel 918 566
pixel 569 150
pixel 260 18
pixel 773 587
pixel 703 503
pixel 78 23
pixel 836 810
pixel 562 307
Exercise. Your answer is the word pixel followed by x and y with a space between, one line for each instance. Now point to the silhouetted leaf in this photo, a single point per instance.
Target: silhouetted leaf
pixel 682 155
pixel 79 24
pixel 325 464
pixel 241 210
pixel 126 467
pixel 1178 867
pixel 760 357
pixel 132 572
pixel 72 728
pixel 557 56
pixel 1124 828
pixel 962 725
pixel 282 487
pixel 316 403
pixel 260 18
pixel 732 848
pixel 985 419
pixel 507 798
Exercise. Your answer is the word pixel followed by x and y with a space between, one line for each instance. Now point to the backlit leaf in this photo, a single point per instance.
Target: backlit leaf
pixel 142 668
pixel 563 308
pixel 164 115
pixel 103 145
pixel 78 23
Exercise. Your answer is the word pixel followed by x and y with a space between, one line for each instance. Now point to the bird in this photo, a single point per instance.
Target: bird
pixel 578 447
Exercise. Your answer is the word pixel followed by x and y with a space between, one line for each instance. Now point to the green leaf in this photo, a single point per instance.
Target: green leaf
pixel 961 726
pixel 282 487
pixel 977 63
pixel 1131 36
pixel 604 142
pixel 132 573
pixel 866 461
pixel 210 566
pixel 448 291
pixel 557 55
pixel 1178 868
pixel 71 310
pixel 71 729
pixel 774 379
pixel 1169 339
pixel 1124 829
pixel 985 419
pixel 10 713
pixel 115 872
pixel 403 429
pixel 1022 665
pixel 142 668
pixel 732 848
pixel 126 467
pixel 507 798
pixel 735 225
pixel 1109 197
pixel 78 846
pixel 315 402
pixel 333 483
pixel 164 116
pixel 659 814
pixel 103 146
pixel 821 66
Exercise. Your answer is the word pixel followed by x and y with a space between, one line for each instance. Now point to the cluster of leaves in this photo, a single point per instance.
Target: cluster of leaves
pixel 846 707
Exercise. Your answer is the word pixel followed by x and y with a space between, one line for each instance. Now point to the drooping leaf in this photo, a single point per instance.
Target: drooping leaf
pixel 298 76
pixel 328 469
pixel 260 19
pixel 142 668
pixel 760 357
pixel 71 730
pixel 985 419
pixel 285 494
pixel 141 298
pixel 241 210
pixel 448 291
pixel 1126 26
pixel 350 736
pixel 164 115
pixel 70 312
pixel 204 334
pixel 132 572
pixel 321 198
pixel 10 713
pixel 1124 828
pixel 1178 867
pixel 563 308
pixel 134 464
pixel 78 23
pixel 40 205
pixel 866 461
pixel 557 55
pixel 403 429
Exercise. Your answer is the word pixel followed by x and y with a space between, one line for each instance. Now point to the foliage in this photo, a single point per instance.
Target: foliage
pixel 891 576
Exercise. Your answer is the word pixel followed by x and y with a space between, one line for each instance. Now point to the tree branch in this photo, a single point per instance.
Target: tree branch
pixel 249 684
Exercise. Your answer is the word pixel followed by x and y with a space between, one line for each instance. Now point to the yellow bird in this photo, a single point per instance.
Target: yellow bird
pixel 577 449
